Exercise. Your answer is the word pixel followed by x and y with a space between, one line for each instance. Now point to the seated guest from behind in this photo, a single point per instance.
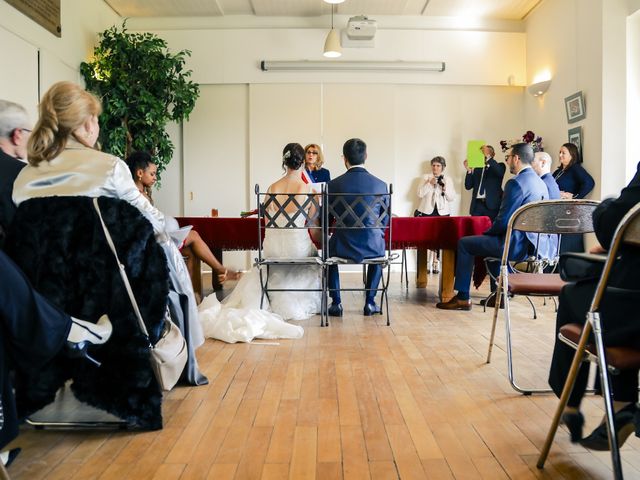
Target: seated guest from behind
pixel 435 192
pixel 14 133
pixel 620 325
pixel 486 183
pixel 144 170
pixel 63 161
pixel 524 188
pixel 356 244
pixel 542 166
pixel 313 161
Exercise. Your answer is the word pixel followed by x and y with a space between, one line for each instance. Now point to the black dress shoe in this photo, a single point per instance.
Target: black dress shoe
pixel 335 310
pixel 574 422
pixel 624 424
pixel 371 309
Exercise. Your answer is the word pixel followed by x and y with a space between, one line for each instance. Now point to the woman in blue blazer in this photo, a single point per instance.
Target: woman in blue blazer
pixel 574 182
pixel 314 160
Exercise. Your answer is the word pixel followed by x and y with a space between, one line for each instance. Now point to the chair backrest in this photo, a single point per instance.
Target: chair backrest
pixel 361 211
pixel 553 217
pixel 290 211
pixel 627 233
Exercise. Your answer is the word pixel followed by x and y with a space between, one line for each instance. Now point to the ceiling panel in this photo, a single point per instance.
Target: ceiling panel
pixel 480 9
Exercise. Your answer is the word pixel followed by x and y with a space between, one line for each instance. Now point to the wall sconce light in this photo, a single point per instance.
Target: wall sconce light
pixel 539 89
pixel 332 47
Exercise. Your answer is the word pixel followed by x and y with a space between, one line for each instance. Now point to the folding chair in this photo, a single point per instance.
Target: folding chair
pixel 288 211
pixel 555 217
pixel 609 359
pixel 364 211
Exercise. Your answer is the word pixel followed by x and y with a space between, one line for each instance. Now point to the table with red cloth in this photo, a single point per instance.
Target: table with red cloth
pixel 421 233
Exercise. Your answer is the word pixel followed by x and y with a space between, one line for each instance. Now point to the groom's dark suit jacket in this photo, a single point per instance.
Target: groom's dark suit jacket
pixel 357 244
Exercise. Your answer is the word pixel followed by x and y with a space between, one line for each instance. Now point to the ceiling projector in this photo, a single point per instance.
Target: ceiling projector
pixel 361 28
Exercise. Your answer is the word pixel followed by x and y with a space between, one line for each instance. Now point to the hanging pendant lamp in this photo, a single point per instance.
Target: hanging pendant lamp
pixel 332 48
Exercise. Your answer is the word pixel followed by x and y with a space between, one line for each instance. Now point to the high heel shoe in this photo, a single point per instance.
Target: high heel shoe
pixel 574 422
pixel 84 334
pixel 624 424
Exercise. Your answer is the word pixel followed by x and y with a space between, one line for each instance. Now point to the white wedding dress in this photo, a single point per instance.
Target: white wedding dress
pixel 239 317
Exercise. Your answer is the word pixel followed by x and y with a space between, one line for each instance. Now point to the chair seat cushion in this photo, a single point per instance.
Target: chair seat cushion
pixel 535 284
pixel 622 358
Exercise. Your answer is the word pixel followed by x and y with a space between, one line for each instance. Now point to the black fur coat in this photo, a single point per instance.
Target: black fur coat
pixel 60 245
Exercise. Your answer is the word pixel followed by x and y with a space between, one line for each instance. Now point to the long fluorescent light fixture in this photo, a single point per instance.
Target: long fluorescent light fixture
pixel 350 66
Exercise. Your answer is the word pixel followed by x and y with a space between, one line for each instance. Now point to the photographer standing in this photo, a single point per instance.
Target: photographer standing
pixel 435 193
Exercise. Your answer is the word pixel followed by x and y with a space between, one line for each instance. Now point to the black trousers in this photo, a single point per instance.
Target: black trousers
pixel 618 315
pixel 32 332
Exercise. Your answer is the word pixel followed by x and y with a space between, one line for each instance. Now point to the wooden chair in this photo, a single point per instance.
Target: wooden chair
pixel 555 217
pixel 364 211
pixel 608 358
pixel 286 211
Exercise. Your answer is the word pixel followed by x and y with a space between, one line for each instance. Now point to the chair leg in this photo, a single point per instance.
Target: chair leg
pixel 564 397
pixel 385 286
pixel 495 313
pixel 533 307
pixel 555 304
pixel 404 271
pixel 4 475
pixel 607 394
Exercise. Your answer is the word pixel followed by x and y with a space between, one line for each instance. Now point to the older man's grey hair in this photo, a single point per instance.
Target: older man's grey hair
pixel 545 161
pixel 12 116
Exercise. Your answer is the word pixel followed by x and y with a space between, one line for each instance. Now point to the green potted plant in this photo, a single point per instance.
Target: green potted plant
pixel 142 87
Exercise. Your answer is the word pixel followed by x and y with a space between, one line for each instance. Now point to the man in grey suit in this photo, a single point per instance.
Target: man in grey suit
pixel 14 133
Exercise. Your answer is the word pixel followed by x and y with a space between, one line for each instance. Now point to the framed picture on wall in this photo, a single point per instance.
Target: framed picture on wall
pixel 575 137
pixel 574 104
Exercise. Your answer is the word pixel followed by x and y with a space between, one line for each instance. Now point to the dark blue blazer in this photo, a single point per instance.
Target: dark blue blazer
pixel 492 181
pixel 575 180
pixel 526 187
pixel 364 243
pixel 320 175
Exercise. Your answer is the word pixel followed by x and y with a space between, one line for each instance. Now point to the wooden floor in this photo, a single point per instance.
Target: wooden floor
pixel 354 400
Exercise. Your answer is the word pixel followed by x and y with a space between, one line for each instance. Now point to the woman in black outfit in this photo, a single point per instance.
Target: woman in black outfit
pixel 574 182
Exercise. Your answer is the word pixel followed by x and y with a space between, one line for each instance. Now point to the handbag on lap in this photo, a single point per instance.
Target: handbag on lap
pixel 576 266
pixel 168 356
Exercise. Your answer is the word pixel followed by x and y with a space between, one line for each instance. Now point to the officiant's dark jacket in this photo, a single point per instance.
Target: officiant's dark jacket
pixel 491 185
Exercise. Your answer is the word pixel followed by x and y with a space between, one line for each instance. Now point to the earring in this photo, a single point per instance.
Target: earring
pixel 139 177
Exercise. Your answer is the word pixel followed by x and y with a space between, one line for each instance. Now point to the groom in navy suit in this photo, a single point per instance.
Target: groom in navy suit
pixel 356 244
pixel 524 188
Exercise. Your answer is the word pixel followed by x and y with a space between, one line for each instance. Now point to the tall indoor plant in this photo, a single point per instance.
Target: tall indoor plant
pixel 142 87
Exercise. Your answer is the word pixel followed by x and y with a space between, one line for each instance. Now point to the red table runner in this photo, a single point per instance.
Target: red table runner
pixel 408 232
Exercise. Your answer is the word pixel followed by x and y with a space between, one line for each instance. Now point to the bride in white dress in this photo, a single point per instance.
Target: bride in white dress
pixel 239 317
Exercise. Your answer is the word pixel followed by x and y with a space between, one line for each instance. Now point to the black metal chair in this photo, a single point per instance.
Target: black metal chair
pixel 287 211
pixel 588 347
pixel 363 211
pixel 554 217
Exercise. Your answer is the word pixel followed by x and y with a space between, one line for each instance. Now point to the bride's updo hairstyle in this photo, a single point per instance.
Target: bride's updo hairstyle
pixel 63 108
pixel 292 156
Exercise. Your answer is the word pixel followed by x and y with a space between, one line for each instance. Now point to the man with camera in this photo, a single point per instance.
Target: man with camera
pixel 435 192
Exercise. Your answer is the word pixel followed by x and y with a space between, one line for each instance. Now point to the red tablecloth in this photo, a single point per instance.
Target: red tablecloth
pixel 408 232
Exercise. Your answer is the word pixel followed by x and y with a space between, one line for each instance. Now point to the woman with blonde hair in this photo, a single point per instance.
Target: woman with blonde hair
pixel 63 161
pixel 313 161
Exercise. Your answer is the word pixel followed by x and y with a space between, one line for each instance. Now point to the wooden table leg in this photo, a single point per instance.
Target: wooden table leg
pixel 422 273
pixel 447 272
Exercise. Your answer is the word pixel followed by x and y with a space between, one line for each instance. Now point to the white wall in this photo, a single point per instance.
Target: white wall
pixel 471 99
pixel 21 39
pixel 582 45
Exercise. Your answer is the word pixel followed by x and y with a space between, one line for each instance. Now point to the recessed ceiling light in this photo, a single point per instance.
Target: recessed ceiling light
pixel 335 2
